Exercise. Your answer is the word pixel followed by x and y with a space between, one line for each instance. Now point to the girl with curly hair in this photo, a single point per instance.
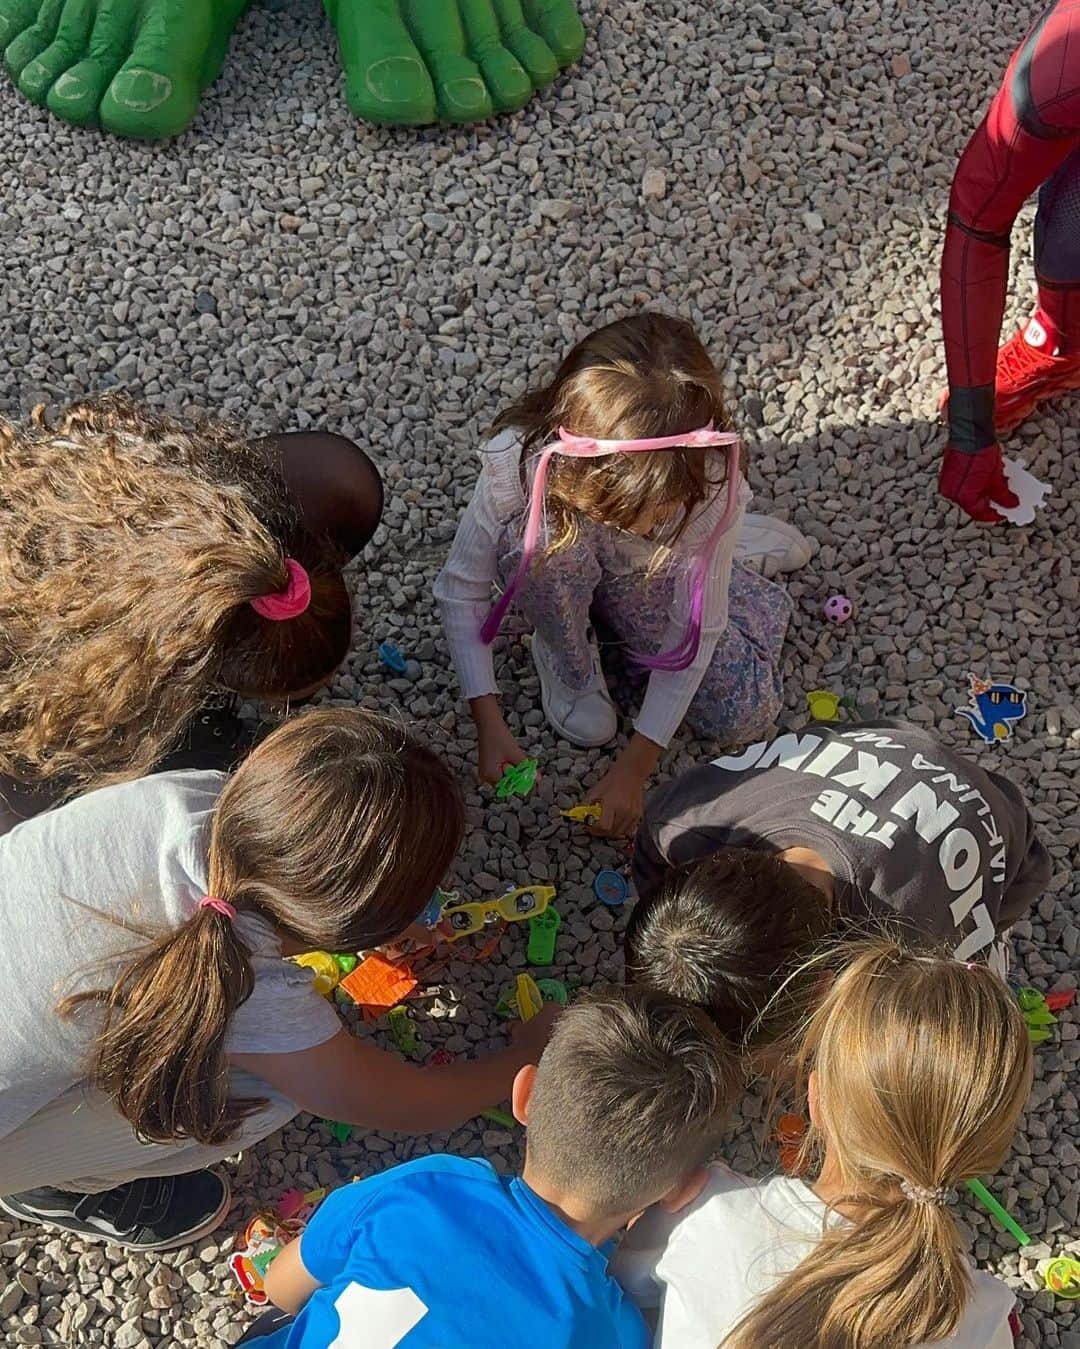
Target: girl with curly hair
pixel 147 565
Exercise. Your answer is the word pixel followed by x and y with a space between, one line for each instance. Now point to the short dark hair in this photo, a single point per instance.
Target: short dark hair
pixel 631 1094
pixel 731 933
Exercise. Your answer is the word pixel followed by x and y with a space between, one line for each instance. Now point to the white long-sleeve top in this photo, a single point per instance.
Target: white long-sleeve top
pixel 463 587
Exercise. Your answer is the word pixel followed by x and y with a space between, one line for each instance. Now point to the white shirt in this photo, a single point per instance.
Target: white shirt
pixel 705 1267
pixel 463 587
pixel 80 887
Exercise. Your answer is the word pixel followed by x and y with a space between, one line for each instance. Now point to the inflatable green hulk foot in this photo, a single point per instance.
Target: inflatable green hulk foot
pixel 137 67
pixel 419 61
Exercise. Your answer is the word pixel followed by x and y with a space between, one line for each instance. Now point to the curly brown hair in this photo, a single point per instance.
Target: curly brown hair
pixel 130 545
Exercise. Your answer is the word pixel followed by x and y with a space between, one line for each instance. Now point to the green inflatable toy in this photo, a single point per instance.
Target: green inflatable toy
pixel 138 67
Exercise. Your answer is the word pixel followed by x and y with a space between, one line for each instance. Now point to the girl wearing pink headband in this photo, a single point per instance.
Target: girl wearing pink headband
pixel 612 492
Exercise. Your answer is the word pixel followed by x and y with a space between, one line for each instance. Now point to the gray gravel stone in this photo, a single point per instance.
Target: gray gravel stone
pixel 778 174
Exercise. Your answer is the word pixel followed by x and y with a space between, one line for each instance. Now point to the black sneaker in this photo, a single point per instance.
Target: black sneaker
pixel 155 1214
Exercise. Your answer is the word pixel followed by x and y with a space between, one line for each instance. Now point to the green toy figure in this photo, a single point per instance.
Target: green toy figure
pixel 138 67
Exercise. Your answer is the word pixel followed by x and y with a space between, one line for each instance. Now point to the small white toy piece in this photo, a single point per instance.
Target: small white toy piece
pixel 1028 488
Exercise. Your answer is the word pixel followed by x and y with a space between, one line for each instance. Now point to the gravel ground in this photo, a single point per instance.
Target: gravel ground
pixel 776 172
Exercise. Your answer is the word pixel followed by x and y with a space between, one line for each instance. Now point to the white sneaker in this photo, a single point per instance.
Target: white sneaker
pixel 771 546
pixel 586 717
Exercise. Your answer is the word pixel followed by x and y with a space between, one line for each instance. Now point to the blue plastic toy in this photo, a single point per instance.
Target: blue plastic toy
pixel 611 888
pixel 392 658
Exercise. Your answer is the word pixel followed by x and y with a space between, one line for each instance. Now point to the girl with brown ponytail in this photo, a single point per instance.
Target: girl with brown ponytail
pixel 147 565
pixel 917 1069
pixel 152 1025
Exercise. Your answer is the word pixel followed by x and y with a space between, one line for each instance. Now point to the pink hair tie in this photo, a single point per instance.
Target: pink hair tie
pixel 290 602
pixel 221 906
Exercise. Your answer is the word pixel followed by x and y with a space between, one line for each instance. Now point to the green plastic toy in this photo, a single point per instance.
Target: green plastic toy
pixel 338 1131
pixel 553 990
pixel 518 779
pixel 543 931
pixel 403 1032
pixel 345 961
pixel 1037 1014
pixel 998 1211
pixel 498 1116
pixel 138 67
pixel 1062 1276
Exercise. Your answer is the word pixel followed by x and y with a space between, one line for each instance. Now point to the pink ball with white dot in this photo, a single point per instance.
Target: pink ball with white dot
pixel 838 609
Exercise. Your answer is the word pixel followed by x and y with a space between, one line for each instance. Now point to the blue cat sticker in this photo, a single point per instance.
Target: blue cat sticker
pixel 993 708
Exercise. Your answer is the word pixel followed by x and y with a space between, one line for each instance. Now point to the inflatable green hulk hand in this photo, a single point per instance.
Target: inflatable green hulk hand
pixel 419 61
pixel 137 67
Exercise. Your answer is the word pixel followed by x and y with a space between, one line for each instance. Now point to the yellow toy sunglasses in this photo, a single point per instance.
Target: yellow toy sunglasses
pixel 515 906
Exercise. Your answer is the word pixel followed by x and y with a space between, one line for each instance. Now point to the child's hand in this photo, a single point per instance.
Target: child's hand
pixel 621 797
pixel 496 744
pixel 531 1036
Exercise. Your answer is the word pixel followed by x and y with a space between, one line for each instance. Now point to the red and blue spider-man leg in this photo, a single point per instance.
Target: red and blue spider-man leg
pixel 1029 138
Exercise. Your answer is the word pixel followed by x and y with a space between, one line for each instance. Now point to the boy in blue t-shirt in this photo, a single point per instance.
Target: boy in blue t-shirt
pixel 625 1107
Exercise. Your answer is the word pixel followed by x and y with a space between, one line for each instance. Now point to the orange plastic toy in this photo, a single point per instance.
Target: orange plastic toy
pixel 790 1132
pixel 377 984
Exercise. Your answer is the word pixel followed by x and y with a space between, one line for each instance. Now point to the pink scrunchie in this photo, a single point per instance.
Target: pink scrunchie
pixel 290 602
pixel 221 906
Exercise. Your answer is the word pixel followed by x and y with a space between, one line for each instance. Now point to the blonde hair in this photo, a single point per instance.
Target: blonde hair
pixel 336 830
pixel 643 376
pixel 130 547
pixel 922 1067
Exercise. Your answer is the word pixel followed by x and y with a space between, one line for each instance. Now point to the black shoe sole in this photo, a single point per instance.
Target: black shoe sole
pixel 60 1223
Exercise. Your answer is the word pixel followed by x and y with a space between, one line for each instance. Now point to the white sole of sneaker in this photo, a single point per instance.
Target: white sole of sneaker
pixel 776 544
pixel 544 670
pixel 203 1230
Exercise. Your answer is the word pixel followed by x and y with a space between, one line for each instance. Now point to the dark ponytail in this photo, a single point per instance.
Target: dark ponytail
pixel 335 830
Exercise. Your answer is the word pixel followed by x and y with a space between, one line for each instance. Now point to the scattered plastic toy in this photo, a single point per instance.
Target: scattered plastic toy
pixel 514 907
pixel 996 1210
pixel 611 888
pixel 328 972
pixel 993 708
pixel 1028 488
pixel 338 1131
pixel 392 658
pixel 377 984
pixel 553 990
pixel 1057 1002
pixel 523 1000
pixel 585 814
pixel 499 1117
pixel 431 915
pixel 346 961
pixel 789 1134
pixel 1063 1277
pixel 543 932
pixel 440 1058
pixel 403 1032
pixel 264 1238
pixel 838 609
pixel 518 779
pixel 826 706
pixel 1037 1014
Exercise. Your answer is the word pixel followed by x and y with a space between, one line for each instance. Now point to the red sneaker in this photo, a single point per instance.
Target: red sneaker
pixel 1029 372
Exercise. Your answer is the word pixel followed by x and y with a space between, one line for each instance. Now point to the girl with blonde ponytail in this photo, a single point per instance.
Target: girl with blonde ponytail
pixel 146 566
pixel 917 1068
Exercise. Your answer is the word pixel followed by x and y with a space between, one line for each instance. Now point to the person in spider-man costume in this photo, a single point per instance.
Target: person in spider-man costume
pixel 1029 139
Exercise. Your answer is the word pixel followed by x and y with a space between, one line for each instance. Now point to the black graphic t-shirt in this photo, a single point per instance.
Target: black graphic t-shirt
pixel 909 828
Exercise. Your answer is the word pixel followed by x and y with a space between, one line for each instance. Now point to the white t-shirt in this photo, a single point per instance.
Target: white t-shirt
pixel 705 1267
pixel 132 854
